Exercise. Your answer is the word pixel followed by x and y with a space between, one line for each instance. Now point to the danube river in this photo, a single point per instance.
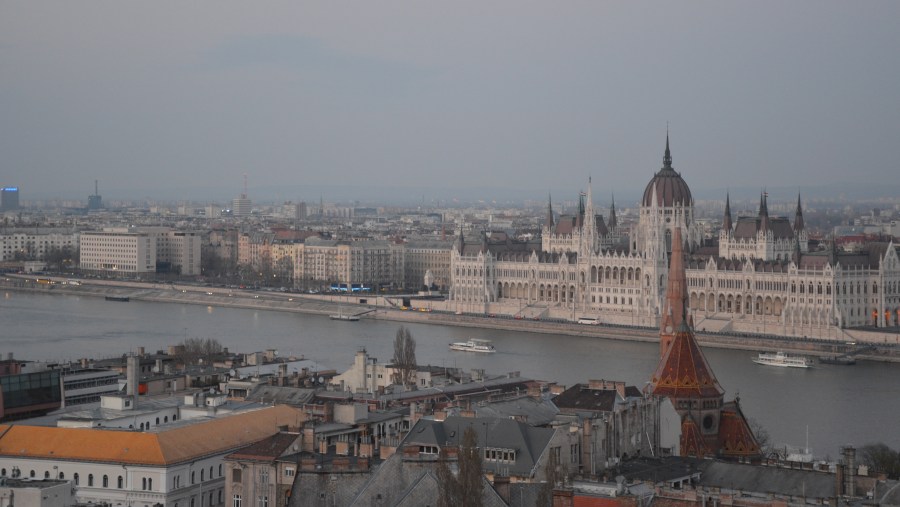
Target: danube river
pixel 838 404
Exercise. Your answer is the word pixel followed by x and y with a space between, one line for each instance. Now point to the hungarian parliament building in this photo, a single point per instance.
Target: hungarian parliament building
pixel 760 278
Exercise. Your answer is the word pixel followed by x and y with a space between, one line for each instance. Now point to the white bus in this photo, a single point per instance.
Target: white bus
pixel 589 321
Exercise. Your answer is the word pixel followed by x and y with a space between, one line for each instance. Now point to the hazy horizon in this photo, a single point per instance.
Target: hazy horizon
pixel 173 100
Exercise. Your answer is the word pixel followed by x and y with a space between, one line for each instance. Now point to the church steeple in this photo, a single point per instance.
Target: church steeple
pixel 798 216
pixel 727 224
pixel 461 241
pixel 676 304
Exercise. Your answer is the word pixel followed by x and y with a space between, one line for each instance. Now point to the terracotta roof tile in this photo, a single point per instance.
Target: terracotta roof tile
pixel 683 371
pixel 149 448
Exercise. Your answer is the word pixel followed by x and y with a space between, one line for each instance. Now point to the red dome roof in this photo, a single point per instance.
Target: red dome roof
pixel 671 190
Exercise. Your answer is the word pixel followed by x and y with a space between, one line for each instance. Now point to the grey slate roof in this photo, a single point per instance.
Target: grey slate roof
pixel 281 395
pixel 761 479
pixel 403 483
pixel 747 227
pixel 533 411
pixel 451 391
pixel 528 442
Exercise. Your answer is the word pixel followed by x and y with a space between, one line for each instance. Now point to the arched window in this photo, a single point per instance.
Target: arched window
pixel 62 476
pixel 144 484
pixel 105 481
pixel 166 419
pixel 90 480
pixel 202 478
pixel 75 479
pixel 157 421
pixel 150 484
pixel 32 474
pixel 47 474
pixel 120 483
pixel 193 477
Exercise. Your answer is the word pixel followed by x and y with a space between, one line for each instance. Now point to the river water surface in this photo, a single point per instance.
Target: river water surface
pixel 839 404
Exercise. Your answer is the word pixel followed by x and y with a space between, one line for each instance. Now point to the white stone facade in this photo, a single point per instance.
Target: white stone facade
pixel 763 279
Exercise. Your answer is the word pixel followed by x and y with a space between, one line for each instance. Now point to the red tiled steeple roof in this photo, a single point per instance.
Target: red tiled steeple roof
pixel 683 371
pixel 692 443
pixel 735 436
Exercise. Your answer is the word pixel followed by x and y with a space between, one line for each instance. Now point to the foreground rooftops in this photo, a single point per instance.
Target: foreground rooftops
pixel 165 447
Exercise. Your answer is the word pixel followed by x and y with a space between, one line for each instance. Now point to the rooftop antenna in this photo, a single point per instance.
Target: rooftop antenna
pixel 96 188
pixel 245 186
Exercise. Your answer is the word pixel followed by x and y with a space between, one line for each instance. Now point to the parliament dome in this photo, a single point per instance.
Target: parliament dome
pixel 671 189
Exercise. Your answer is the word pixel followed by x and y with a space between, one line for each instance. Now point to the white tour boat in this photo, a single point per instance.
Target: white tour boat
pixel 474 345
pixel 783 360
pixel 344 316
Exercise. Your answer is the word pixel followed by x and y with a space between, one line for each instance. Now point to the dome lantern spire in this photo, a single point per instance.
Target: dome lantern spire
pixel 667 158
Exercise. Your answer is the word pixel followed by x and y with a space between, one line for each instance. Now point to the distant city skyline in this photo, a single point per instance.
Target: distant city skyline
pixel 396 99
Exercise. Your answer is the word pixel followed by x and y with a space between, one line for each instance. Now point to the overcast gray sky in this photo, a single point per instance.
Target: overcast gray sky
pixel 535 96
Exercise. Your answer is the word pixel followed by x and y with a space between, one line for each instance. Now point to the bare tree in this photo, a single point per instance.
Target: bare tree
pixel 471 474
pixel 193 350
pixel 466 488
pixel 448 486
pixel 555 477
pixel 881 458
pixel 762 436
pixel 404 357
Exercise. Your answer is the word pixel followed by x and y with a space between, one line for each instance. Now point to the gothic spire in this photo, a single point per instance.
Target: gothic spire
pixel 461 242
pixel 763 212
pixel 613 221
pixel 667 158
pixel 579 220
pixel 798 216
pixel 548 221
pixel 726 221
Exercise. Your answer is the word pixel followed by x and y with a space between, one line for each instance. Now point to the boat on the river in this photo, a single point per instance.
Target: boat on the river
pixel 844 360
pixel 783 360
pixel 474 345
pixel 340 315
pixel 122 299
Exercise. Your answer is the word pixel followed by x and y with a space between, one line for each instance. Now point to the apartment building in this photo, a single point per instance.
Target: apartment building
pixel 140 250
pixel 35 243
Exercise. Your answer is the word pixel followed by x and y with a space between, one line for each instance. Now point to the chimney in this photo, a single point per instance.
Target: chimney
pixel 838 480
pixel 141 351
pixel 563 498
pixel 501 485
pixel 849 453
pixel 132 371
